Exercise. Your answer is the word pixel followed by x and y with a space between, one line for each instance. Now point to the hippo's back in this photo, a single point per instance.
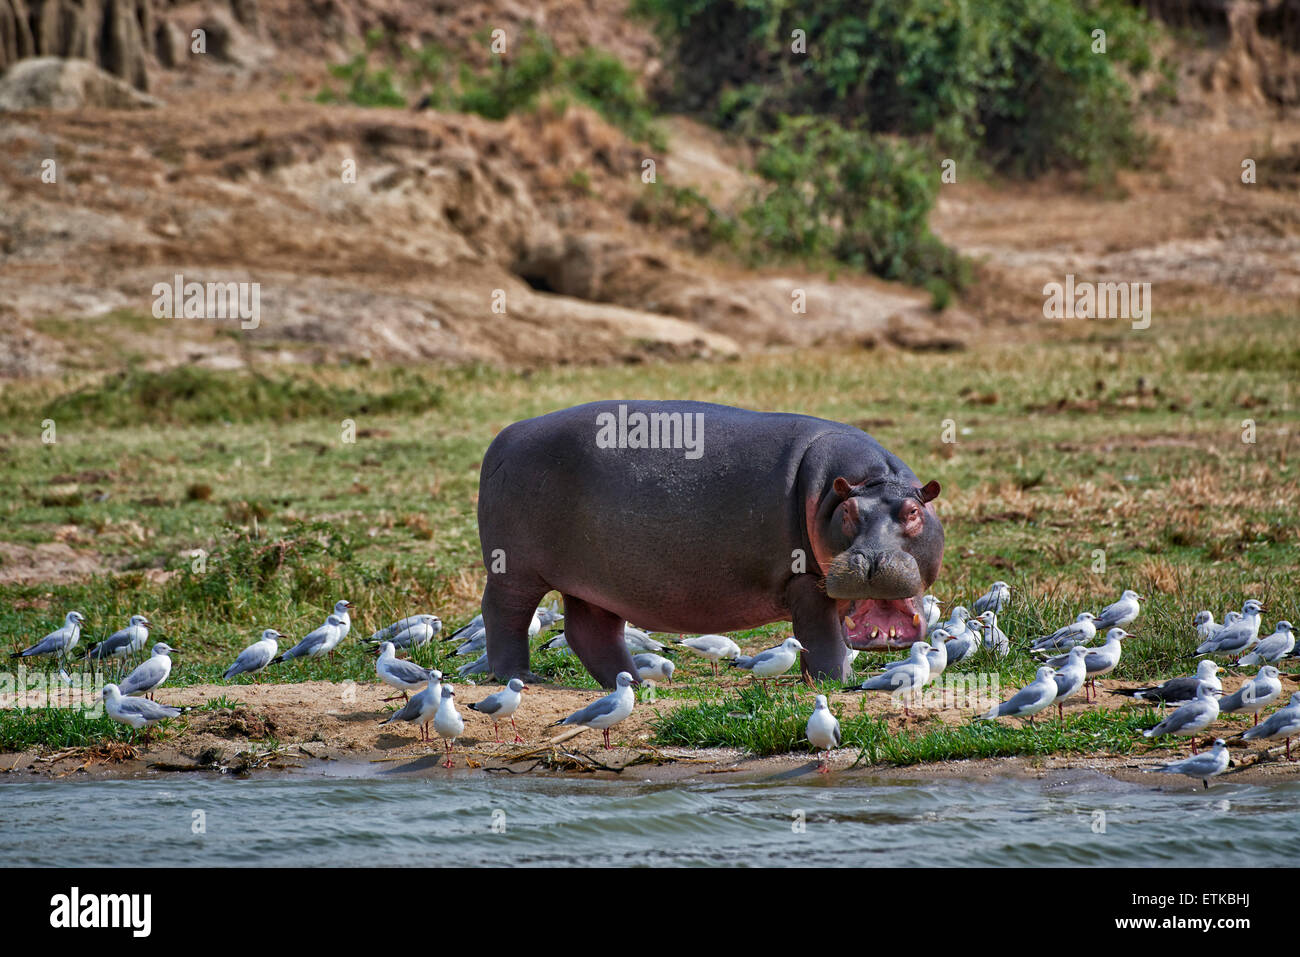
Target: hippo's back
pixel 639 505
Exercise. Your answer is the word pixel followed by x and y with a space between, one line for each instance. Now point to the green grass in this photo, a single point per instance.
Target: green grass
pixel 764 724
pixel 1093 437
pixel 22 729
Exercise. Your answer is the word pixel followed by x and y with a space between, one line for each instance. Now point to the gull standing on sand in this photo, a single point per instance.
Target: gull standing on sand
pixel 1273 648
pixel 608 711
pixel 1177 690
pixel 1256 694
pixel 713 647
pixel 58 642
pixel 124 643
pixel 993 637
pixel 1192 718
pixel 1202 766
pixel 995 599
pixel 422 707
pixel 502 704
pixel 136 712
pixel 1029 700
pixel 1099 661
pixel 151 673
pixel 1235 638
pixel 256 656
pixel 1070 678
pixel 1121 614
pixel 1078 632
pixel 1282 723
pixel 773 662
pixel 405 676
pixel 448 723
pixel 908 678
pixel 388 631
pixel 651 667
pixel 317 643
pixel 823 731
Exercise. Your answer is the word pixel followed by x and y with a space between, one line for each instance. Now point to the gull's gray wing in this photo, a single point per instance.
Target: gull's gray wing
pixel 593 711
pixel 145 677
pixel 475 624
pixel 1198 765
pixel 1234 701
pixel 252 658
pixel 46 646
pixel 147 709
pixel 1175 689
pixel 489 705
pixel 1027 697
pixel 1184 717
pixel 409 711
pixel 478 666
pixel 903 677
pixel 311 642
pixel 407 671
pixel 110 645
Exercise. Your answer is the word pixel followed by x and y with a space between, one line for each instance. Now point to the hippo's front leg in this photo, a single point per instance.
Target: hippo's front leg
pixel 818 627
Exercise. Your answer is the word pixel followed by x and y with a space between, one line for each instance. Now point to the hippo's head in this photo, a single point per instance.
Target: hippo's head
pixel 881 546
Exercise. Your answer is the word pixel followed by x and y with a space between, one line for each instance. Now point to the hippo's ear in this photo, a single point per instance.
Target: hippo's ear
pixel 929 491
pixel 842 488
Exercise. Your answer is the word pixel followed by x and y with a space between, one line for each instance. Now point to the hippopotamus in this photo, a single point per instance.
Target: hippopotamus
pixel 692 517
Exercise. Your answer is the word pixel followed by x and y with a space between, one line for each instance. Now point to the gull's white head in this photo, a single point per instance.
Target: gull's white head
pixel 819 704
pixel 1207 668
pixel 271 635
pixel 1118 634
pixel 1130 595
pixel 162 648
pixel 341 607
pixel 625 680
pixel 1203 618
pixel 516 685
pixel 1045 672
pixel 387 650
pixel 1285 627
pixel 1251 607
pixel 138 620
pixel 1267 671
pixel 75 618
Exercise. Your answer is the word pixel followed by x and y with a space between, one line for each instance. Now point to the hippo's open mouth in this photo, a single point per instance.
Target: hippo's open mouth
pixel 874 623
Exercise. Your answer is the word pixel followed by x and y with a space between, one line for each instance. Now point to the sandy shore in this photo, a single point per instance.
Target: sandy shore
pixel 323 727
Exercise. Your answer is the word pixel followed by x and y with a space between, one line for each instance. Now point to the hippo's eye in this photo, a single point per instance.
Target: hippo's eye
pixel 909 516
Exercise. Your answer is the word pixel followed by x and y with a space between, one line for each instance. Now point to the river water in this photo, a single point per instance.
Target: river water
pixel 355 817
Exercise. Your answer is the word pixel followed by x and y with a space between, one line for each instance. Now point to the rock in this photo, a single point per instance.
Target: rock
pixel 55 83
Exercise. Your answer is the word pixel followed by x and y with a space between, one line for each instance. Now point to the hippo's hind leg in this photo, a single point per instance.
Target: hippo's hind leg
pixel 596 637
pixel 819 628
pixel 507 613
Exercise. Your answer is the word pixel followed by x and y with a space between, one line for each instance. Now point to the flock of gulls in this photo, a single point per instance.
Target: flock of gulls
pixel 1070 663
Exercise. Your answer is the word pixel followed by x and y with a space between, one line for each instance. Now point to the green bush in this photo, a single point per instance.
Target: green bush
pixel 1012 82
pixel 851 197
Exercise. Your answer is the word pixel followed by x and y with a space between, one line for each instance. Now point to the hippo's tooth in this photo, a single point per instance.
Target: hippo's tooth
pixel 916 619
pixel 892 633
pixel 875 632
pixel 849 621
